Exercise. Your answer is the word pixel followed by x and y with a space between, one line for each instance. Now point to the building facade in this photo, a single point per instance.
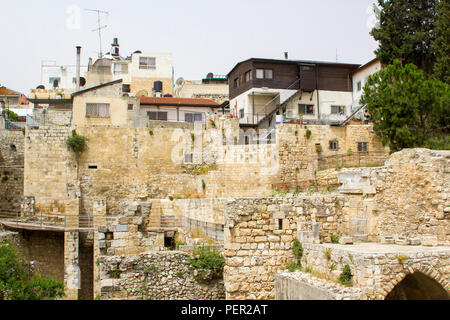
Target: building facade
pixel 298 89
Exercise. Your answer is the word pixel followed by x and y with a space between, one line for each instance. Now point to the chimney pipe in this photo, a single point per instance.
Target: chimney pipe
pixel 78 67
pixel 286 55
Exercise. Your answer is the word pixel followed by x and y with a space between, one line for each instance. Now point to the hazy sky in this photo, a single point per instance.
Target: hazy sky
pixel 203 36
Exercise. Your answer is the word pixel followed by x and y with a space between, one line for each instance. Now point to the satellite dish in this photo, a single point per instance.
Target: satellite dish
pixel 210 75
pixel 180 82
pixel 40 87
pixel 82 81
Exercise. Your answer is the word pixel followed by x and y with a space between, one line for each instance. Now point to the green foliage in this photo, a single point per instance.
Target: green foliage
pixel 18 282
pixel 441 45
pixel 12 116
pixel 294 266
pixel 77 143
pixel 203 169
pixel 335 239
pixel 346 277
pixel 298 251
pixel 407 32
pixel 408 110
pixel 401 259
pixel 308 134
pixel 207 259
pixel 203 185
pixel 327 254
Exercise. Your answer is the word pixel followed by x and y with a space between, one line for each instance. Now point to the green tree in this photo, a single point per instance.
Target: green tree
pixel 12 116
pixel 407 32
pixel 18 282
pixel 441 45
pixel 408 110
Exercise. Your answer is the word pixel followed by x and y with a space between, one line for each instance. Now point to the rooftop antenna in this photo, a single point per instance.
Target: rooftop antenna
pixel 337 57
pixel 100 27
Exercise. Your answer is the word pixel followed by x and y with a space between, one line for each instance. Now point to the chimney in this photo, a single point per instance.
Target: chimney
pixel 78 67
pixel 286 55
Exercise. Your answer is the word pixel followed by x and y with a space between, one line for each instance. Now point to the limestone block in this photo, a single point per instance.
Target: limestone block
pixel 387 240
pixel 345 240
pixel 121 228
pixel 429 241
pixel 415 242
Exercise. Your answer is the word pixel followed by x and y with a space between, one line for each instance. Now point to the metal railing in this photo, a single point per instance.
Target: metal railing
pixel 43 222
pixel 174 223
pixel 357 159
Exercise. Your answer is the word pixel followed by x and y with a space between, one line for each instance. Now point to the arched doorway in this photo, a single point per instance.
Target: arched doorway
pixel 418 286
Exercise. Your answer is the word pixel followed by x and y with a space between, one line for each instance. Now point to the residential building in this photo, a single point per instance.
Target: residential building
pixel 107 104
pixel 178 109
pixel 111 104
pixel 60 77
pixel 302 90
pixel 360 78
pixel 214 87
pixel 146 74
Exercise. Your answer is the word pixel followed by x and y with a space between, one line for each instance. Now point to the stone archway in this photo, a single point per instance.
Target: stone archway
pixel 418 286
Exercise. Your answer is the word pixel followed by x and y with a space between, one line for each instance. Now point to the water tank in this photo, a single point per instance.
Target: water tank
pixel 158 86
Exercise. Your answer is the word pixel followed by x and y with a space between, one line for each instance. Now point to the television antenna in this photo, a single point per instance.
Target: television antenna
pixel 100 27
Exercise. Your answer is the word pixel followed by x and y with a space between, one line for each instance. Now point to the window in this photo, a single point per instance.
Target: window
pixel 264 74
pixel 53 79
pixel 130 107
pixel 97 110
pixel 188 158
pixel 193 117
pixel 157 115
pixel 121 68
pixel 241 114
pixel 337 109
pixel 334 145
pixel 248 76
pixel 363 147
pixel 359 85
pixel 306 109
pixel 147 63
pixel 236 83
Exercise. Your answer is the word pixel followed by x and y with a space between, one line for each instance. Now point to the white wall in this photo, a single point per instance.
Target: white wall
pixel 66 73
pixel 164 66
pixel 363 75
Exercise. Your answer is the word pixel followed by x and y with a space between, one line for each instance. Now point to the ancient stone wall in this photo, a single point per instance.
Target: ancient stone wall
pixel 11 171
pixel 300 155
pixel 53 117
pixel 409 197
pixel 154 276
pixel 376 268
pixel 50 172
pixel 259 235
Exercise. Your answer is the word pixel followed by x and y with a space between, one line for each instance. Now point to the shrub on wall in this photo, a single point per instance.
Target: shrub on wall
pixel 208 262
pixel 77 143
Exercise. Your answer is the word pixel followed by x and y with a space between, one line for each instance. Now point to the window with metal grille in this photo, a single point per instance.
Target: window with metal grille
pixel 130 107
pixel 306 109
pixel 97 110
pixel 241 113
pixel 147 63
pixel 359 85
pixel 334 145
pixel 363 147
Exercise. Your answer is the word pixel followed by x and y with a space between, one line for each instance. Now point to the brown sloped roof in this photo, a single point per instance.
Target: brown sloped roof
pixel 190 102
pixel 8 92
